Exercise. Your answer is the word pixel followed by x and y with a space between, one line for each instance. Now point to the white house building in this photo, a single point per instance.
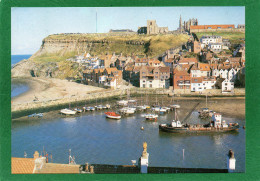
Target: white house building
pixel 215 47
pixel 206 40
pixel 227 86
pixel 202 83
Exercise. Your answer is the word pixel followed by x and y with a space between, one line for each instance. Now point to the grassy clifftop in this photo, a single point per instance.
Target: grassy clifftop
pixel 59 47
pixel 234 37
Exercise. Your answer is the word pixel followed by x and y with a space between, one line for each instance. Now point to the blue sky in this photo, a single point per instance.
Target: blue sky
pixel 30 25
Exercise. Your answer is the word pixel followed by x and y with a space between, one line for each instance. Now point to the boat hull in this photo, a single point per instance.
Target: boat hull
pixel 196 130
pixel 112 115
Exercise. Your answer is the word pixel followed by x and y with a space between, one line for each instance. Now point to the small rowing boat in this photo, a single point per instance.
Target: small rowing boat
pixel 112 115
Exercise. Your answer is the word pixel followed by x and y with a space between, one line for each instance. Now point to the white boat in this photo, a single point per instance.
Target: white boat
pixel 141 107
pixel 122 102
pixel 86 108
pixel 91 108
pixel 177 106
pixel 108 106
pixel 151 116
pixel 78 110
pixel 156 109
pixel 163 110
pixel 68 111
pixel 99 107
pixel 131 101
pixel 127 110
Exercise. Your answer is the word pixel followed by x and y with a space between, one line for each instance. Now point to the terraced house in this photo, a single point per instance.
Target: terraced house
pixel 154 77
pixel 111 77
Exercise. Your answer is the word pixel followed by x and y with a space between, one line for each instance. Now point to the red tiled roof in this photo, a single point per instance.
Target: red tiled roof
pixel 22 165
pixel 188 60
pixel 204 67
pixel 165 69
pixel 170 60
pixel 211 26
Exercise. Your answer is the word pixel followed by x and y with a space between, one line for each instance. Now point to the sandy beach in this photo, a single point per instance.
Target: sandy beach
pixel 45 90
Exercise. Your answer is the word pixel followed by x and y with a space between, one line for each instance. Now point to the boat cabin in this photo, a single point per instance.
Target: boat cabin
pixel 216 118
pixel 176 124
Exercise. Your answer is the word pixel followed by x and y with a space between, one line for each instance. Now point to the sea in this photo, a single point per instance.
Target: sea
pixel 18 87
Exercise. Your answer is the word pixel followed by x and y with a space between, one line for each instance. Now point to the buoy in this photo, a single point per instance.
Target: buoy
pixel 244 127
pixel 142 128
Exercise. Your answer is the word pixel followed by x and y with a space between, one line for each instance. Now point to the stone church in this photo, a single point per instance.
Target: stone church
pixel 152 28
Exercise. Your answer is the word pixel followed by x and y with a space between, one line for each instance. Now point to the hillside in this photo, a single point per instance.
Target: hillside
pixel 59 47
pixel 49 60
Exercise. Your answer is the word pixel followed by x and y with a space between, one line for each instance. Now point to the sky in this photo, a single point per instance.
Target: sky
pixel 29 26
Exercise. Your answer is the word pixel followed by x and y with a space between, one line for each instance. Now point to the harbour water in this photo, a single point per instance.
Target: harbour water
pixel 96 139
pixel 18 87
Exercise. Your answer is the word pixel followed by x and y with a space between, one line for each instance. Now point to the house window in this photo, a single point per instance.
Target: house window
pixel 225 84
pixel 187 86
pixel 180 77
pixel 156 76
pixel 144 81
pixel 181 87
pixel 151 85
pixel 143 85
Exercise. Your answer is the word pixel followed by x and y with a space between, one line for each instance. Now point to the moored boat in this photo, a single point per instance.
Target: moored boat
pixel 112 115
pixel 177 106
pixel 151 117
pixel 122 102
pixel 216 125
pixel 78 110
pixel 68 111
pixel 92 108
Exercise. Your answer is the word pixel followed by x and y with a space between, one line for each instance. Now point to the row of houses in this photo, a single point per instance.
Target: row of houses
pixel 111 77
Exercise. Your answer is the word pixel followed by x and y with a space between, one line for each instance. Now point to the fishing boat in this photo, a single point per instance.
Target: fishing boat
pixel 68 111
pixel 112 115
pixel 216 125
pixel 151 117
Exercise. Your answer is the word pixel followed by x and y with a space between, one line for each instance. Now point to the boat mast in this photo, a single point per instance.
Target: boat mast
pixel 206 100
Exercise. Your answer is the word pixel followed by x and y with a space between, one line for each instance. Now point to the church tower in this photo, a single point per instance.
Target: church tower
pixel 180 24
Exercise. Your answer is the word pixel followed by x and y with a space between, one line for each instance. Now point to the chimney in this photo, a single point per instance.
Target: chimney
pixel 231 162
pixel 144 160
pixel 86 167
pixel 36 155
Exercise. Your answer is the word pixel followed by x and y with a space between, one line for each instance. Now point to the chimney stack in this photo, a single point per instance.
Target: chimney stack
pixel 144 160
pixel 231 163
pixel 36 155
